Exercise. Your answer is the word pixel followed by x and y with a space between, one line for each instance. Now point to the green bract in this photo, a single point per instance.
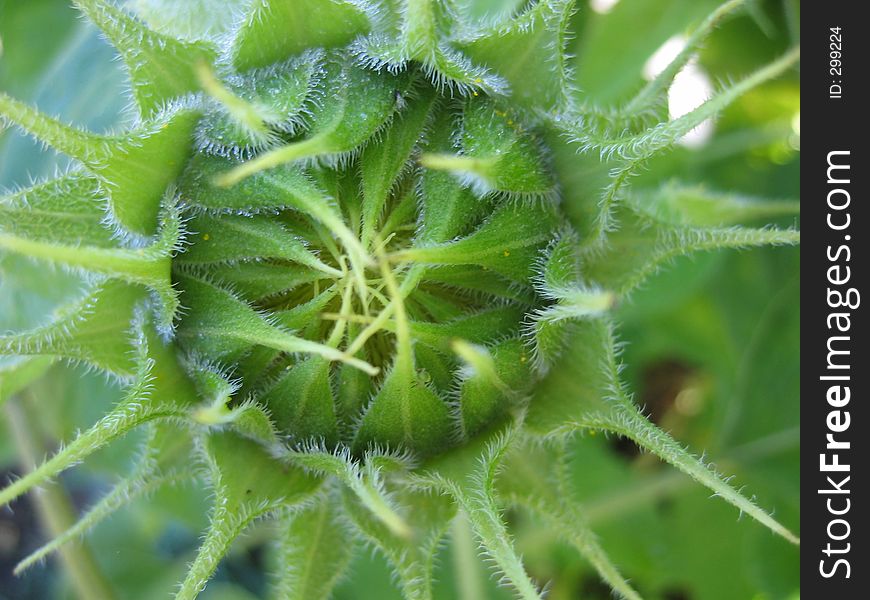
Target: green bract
pixel 331 258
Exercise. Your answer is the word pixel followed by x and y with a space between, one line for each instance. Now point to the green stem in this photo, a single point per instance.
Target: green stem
pixel 319 208
pixel 476 496
pixel 124 493
pixel 289 343
pixel 366 489
pixel 126 416
pixel 130 265
pixel 363 482
pixel 493 534
pixel 56 513
pixel 643 493
pixel 63 138
pixel 241 110
pixel 408 284
pixel 652 91
pixel 279 156
pixel 635 426
pixel 690 241
pixel 404 350
pixel 455 163
pixel 226 525
pixel 468 582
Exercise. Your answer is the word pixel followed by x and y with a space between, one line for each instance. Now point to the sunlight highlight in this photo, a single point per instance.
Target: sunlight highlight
pixel 602 7
pixel 690 88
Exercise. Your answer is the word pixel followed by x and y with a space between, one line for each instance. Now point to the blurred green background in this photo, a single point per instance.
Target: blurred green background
pixel 712 343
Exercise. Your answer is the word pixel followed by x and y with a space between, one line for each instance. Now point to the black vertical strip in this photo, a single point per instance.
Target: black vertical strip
pixel 835 259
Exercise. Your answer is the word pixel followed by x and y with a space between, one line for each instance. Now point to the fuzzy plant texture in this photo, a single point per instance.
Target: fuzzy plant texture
pixel 349 283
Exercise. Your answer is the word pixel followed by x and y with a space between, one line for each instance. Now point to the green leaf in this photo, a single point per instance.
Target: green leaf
pixel 253 421
pixel 161 67
pixel 301 402
pixel 436 368
pixel 508 242
pixel 549 326
pixel 487 11
pixel 424 23
pixel 148 266
pixel 307 315
pixel 560 282
pixel 412 558
pixel 353 387
pixel 234 238
pixel 422 36
pixel 155 375
pixel 271 300
pixel 696 206
pixel 356 103
pixel 638 250
pixel 314 551
pixel 451 71
pixel 363 478
pixel 475 494
pixel 251 110
pixel 275 30
pixel 481 279
pixel 134 168
pixel 190 20
pixel 403 213
pixel 63 138
pixel 248 483
pixel 428 303
pixel 137 169
pixel 213 384
pixel 258 280
pixel 249 475
pixel 531 479
pixel 548 409
pixel 96 330
pixel 487 392
pixel 216 389
pixel 498 154
pixel 447 206
pixel 600 401
pixel 529 52
pixel 65 210
pixel 220 325
pixel 405 414
pixel 481 327
pixel 281 187
pixel 548 341
pixel 560 264
pixel 383 163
